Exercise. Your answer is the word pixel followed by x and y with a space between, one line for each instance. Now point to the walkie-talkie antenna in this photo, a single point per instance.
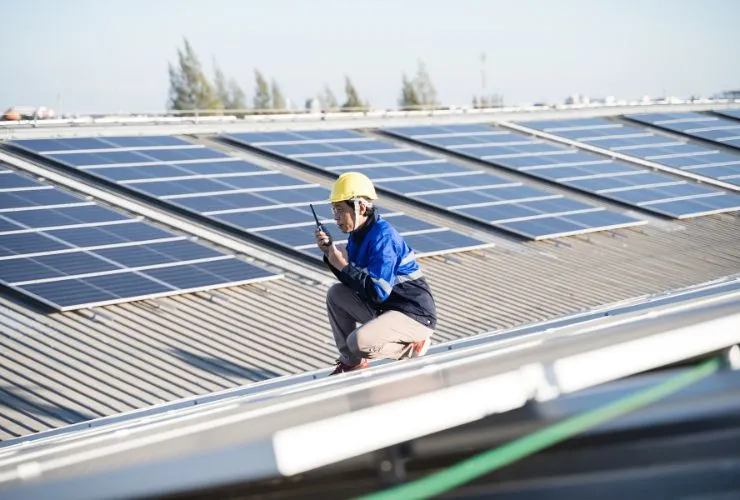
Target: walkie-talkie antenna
pixel 320 225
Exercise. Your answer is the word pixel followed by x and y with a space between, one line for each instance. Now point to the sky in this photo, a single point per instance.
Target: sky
pixel 94 56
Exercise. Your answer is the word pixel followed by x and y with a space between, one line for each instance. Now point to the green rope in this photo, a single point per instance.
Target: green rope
pixel 496 458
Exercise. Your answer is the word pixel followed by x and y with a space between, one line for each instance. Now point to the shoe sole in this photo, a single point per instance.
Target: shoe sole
pixel 424 349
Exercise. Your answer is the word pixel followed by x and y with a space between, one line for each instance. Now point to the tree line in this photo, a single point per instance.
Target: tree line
pixel 191 89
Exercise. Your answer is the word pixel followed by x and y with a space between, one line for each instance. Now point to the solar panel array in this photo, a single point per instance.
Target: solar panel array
pixel 642 143
pixel 615 180
pixel 499 202
pixel 730 113
pixel 69 252
pixel 708 127
pixel 241 195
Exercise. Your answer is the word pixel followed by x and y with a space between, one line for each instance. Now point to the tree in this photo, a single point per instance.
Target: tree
pixel 353 99
pixel 221 87
pixel 189 86
pixel 262 98
pixel 278 101
pixel 409 98
pixel 237 99
pixel 424 87
pixel 229 92
pixel 418 92
pixel 327 99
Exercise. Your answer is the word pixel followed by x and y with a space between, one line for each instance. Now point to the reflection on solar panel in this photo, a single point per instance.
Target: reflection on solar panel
pixel 707 127
pixel 616 180
pixel 502 203
pixel 730 113
pixel 238 194
pixel 642 143
pixel 70 253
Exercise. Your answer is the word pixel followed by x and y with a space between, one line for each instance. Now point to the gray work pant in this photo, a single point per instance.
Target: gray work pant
pixel 385 336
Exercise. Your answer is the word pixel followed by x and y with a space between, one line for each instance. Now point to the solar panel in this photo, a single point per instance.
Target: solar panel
pixel 71 253
pixel 264 203
pixel 434 181
pixel 730 113
pixel 707 127
pixel 642 143
pixel 615 180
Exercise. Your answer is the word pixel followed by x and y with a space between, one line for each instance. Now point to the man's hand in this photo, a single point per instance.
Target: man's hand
pixel 336 257
pixel 335 254
pixel 322 240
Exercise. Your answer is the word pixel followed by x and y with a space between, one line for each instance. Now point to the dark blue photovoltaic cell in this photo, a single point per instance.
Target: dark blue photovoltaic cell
pixel 88 159
pixel 363 146
pixel 185 186
pixel 64 216
pixel 534 227
pixel 146 141
pixel 22 243
pixel 296 149
pixel 404 223
pixel 258 137
pixel 109 234
pixel 42 145
pixel 494 213
pixel 157 253
pixel 476 140
pixel 6 225
pixel 35 198
pixel 427 242
pixel 709 204
pixel 82 143
pixel 228 201
pixel 119 174
pixel 262 181
pixel 11 180
pixel 602 218
pixel 265 218
pixel 708 127
pixel 207 274
pixel 453 199
pixel 174 155
pixel 95 290
pixel 415 185
pixel 310 194
pixel 328 134
pixel 296 236
pixel 466 128
pixel 220 167
pixel 61 264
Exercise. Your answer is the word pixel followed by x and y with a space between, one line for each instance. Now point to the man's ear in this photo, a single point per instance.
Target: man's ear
pixel 363 209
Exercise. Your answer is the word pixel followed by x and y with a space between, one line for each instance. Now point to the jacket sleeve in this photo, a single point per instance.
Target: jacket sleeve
pixel 375 283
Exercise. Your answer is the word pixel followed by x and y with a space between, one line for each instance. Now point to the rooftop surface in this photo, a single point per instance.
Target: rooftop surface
pixel 68 367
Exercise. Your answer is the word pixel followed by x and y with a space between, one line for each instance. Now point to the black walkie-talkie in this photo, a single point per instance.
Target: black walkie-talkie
pixel 320 225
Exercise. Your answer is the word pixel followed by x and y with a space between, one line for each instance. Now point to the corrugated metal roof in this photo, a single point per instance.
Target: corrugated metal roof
pixel 67 367
pixel 63 368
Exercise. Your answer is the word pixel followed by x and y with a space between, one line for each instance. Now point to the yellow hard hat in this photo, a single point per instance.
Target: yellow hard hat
pixel 352 185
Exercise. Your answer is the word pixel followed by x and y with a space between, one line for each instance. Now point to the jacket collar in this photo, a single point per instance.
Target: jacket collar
pixel 359 235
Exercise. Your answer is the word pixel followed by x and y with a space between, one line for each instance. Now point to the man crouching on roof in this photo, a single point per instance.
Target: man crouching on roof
pixel 381 285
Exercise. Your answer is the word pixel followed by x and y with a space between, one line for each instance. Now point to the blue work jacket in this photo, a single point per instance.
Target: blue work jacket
pixel 384 273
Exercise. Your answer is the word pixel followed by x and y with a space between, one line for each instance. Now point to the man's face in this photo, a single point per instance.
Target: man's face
pixel 344 216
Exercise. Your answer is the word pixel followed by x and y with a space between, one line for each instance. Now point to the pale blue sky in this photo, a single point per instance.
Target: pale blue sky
pixel 106 55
